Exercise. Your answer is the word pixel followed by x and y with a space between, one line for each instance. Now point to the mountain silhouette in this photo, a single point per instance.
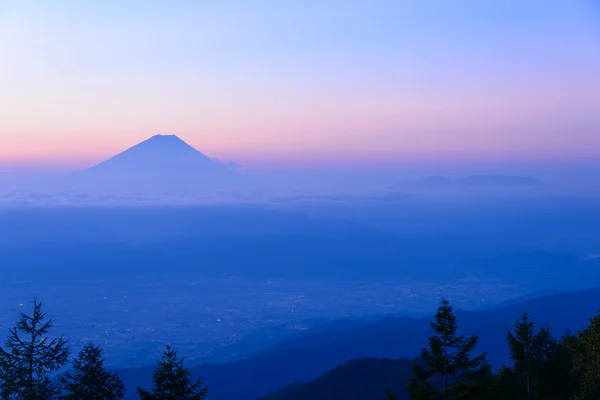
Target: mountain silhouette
pixel 473 182
pixel 161 164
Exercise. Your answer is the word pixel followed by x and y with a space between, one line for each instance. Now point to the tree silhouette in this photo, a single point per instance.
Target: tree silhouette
pixel 529 350
pixel 448 357
pixel 556 379
pixel 172 381
pixel 585 352
pixel 506 385
pixel 90 380
pixel 30 357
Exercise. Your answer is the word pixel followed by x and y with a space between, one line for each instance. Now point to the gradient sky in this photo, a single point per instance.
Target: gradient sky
pixel 286 81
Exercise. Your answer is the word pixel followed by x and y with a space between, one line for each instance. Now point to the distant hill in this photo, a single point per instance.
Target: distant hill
pixel 161 164
pixel 360 379
pixel 314 352
pixel 475 182
pixel 229 164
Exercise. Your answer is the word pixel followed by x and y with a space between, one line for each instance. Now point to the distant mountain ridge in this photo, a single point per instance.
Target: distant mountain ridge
pixel 474 182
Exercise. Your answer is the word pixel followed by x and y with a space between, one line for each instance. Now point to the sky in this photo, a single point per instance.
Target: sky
pixel 269 82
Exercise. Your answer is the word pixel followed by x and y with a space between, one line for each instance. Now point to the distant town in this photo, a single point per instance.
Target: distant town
pixel 207 318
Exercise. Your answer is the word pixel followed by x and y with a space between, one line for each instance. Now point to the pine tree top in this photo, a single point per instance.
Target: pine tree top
pixel 173 381
pixel 90 380
pixel 30 357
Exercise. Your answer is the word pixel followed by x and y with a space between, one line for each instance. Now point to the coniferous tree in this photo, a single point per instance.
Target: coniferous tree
pixel 172 381
pixel 556 378
pixel 90 380
pixel 585 353
pixel 448 357
pixel 529 350
pixel 30 357
pixel 506 384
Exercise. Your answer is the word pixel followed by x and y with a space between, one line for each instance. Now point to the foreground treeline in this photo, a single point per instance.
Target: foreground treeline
pixel 543 367
pixel 32 365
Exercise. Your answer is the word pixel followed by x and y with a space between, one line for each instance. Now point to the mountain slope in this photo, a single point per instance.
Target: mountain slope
pixel 163 163
pixel 312 354
pixel 155 151
pixel 360 379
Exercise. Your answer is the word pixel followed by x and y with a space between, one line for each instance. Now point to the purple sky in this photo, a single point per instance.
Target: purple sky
pixel 267 83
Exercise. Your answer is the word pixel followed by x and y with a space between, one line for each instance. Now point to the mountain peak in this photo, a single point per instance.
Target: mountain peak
pixel 163 162
pixel 161 150
pixel 164 142
pixel 165 137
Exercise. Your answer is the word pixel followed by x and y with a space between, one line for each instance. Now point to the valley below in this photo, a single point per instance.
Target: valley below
pixel 221 320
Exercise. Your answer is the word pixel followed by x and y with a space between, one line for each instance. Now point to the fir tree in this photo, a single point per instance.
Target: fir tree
pixel 30 358
pixel 506 385
pixel 172 381
pixel 529 350
pixel 90 380
pixel 585 352
pixel 448 357
pixel 556 381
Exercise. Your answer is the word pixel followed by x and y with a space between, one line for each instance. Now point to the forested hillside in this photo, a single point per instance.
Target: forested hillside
pixel 541 366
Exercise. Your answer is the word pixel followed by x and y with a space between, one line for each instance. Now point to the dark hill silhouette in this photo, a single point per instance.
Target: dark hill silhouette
pixel 314 352
pixel 360 379
pixel 161 164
